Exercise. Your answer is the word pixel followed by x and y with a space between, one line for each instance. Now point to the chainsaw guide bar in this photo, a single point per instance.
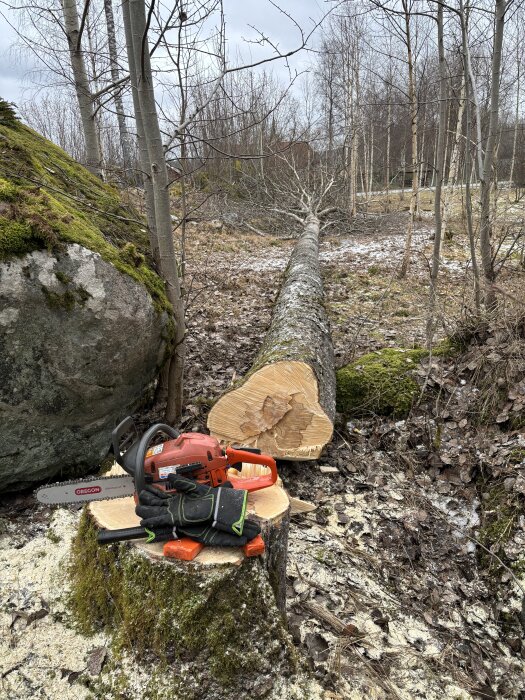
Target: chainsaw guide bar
pixel 93 488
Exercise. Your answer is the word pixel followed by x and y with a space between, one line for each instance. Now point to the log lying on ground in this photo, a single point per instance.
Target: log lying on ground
pixel 286 403
pixel 222 612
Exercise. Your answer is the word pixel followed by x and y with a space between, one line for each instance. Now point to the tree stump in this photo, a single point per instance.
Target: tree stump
pixel 285 405
pixel 222 613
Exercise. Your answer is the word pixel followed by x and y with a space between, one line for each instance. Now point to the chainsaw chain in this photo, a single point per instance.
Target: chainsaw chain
pixel 84 480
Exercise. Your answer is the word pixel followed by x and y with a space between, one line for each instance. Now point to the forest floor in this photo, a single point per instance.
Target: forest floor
pixel 392 589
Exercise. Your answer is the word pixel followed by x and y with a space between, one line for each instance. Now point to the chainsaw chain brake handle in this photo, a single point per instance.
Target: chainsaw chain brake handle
pixel 126 436
pixel 143 445
pixel 236 456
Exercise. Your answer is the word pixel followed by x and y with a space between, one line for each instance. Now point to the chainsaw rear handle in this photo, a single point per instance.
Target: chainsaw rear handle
pixel 127 533
pixel 253 483
pixel 145 440
pixel 134 533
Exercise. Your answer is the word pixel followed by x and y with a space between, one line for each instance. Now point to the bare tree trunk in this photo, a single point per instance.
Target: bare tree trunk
pixel 422 163
pixel 387 168
pixel 138 52
pixel 125 137
pixel 516 117
pixel 371 161
pixel 413 124
pixel 454 158
pixel 82 89
pixel 142 147
pixel 486 224
pixel 440 165
pixel 353 171
pixel 468 158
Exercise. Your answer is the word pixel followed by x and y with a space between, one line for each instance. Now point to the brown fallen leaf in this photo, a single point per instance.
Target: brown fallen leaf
pixel 96 660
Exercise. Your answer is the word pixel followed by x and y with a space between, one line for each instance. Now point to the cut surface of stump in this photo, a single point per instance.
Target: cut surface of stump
pixel 285 405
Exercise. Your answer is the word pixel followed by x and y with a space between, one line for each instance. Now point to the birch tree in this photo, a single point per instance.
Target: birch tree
pixel 82 88
pixel 137 46
pixel 486 177
pixel 125 136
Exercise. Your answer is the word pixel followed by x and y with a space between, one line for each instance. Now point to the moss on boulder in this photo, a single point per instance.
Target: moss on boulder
pixel 48 200
pixel 380 382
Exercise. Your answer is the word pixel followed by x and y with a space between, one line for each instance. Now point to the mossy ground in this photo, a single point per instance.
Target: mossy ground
pixel 226 621
pixel 380 382
pixel 48 200
pixel 499 518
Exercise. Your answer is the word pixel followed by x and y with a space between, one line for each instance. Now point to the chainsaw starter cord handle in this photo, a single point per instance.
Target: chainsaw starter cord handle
pixel 140 481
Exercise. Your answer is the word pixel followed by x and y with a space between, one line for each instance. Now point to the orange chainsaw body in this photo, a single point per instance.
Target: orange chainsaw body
pixel 200 457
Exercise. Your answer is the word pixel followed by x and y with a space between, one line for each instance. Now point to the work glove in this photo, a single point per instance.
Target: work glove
pixel 223 508
pixel 205 534
pixel 217 538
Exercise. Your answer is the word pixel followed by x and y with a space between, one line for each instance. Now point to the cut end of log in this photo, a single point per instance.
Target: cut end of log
pixel 277 410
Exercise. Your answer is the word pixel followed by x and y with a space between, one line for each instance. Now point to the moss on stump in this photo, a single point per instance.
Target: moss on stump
pixel 223 622
pixel 380 382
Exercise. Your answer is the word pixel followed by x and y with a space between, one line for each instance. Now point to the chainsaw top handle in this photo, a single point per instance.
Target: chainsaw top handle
pixel 253 483
pixel 140 456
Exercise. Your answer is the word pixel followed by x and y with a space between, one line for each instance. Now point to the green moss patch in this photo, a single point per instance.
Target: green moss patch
pixel 48 200
pixel 158 609
pixel 500 512
pixel 380 382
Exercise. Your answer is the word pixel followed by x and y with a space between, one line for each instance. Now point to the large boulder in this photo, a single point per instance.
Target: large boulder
pixel 79 341
pixel 84 322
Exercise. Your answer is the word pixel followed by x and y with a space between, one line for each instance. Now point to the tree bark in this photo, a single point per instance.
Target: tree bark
pixel 485 232
pixel 159 179
pixel 125 137
pixel 516 117
pixel 440 166
pixel 285 405
pixel 141 140
pixel 82 89
pixel 412 97
pixel 388 132
pixel 468 155
pixel 454 158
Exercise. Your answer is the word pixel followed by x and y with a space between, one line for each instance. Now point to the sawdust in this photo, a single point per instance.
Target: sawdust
pixel 40 655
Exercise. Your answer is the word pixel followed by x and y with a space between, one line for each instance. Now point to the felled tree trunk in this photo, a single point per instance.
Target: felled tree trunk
pixel 212 625
pixel 286 403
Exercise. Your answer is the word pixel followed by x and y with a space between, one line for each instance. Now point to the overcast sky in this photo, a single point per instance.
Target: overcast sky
pixel 15 84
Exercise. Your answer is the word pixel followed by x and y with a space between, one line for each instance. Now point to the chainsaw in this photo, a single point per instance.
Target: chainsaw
pixel 192 455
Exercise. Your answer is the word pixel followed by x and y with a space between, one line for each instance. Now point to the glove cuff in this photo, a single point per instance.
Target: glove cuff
pixel 230 510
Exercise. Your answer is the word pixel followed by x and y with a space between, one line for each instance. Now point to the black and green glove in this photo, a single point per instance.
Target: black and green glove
pixel 200 533
pixel 194 504
pixel 217 538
